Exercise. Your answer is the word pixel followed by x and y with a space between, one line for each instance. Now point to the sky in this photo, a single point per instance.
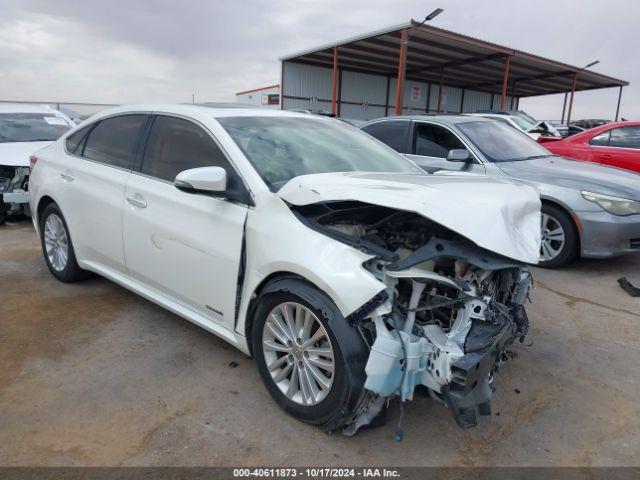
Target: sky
pixel 114 51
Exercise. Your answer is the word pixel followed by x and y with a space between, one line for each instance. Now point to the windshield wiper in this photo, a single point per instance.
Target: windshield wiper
pixel 533 157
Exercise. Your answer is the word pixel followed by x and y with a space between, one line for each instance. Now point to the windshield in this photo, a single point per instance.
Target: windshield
pixel 526 116
pixel 500 143
pixel 281 148
pixel 522 123
pixel 31 127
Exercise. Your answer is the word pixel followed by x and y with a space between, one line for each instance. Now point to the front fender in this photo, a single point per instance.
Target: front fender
pixel 276 241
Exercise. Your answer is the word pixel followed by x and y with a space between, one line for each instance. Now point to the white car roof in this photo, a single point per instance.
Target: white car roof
pixel 199 110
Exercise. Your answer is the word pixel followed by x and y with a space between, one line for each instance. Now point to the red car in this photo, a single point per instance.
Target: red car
pixel 615 144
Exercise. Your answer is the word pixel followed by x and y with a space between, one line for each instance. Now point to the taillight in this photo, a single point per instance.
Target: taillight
pixel 32 162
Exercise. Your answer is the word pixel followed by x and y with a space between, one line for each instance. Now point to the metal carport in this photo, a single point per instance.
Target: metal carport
pixel 438 59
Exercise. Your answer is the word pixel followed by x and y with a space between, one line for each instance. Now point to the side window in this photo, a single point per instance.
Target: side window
pixel 434 141
pixel 602 139
pixel 74 142
pixel 625 137
pixel 393 133
pixel 175 145
pixel 113 140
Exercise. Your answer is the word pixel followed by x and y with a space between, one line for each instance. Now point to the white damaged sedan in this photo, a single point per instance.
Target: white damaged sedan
pixel 349 274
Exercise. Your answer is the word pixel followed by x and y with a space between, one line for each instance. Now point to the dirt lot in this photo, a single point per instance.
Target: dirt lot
pixel 91 374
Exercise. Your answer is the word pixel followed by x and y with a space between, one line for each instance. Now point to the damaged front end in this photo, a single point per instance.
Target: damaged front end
pixel 14 195
pixel 448 314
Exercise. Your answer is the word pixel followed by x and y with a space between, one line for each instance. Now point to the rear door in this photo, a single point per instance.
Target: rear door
pixel 184 246
pixel 618 147
pixel 430 145
pixel 92 180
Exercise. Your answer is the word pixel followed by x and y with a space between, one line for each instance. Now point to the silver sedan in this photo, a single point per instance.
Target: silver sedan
pixel 588 209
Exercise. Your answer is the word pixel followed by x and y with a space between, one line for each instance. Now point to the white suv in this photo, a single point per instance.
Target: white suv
pixel 350 274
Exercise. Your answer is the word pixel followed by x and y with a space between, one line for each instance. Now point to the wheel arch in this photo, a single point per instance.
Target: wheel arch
pixel 271 281
pixel 567 211
pixel 44 201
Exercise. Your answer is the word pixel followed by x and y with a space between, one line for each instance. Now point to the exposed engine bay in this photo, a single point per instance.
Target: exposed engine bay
pixel 448 314
pixel 13 191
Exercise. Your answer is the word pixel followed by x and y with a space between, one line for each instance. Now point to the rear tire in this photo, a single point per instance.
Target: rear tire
pixel 560 241
pixel 57 247
pixel 279 365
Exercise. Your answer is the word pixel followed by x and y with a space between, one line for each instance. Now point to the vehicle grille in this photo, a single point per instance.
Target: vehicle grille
pixel 635 243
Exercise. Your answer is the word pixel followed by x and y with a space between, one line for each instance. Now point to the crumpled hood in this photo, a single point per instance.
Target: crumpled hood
pixel 495 214
pixel 16 154
pixel 576 174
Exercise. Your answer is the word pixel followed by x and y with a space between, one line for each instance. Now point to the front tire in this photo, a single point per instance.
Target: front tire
pixel 560 241
pixel 311 361
pixel 57 247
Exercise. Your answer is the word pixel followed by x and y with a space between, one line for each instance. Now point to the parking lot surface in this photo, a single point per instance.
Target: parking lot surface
pixel 91 374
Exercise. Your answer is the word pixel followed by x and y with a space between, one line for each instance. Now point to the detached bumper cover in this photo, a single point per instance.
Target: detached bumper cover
pixel 605 235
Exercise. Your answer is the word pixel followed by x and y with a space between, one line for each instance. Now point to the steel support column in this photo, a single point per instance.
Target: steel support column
pixel 440 88
pixel 618 107
pixel 402 68
pixel 505 80
pixel 334 83
pixel 386 102
pixel 564 108
pixel 573 90
pixel 282 85
pixel 513 95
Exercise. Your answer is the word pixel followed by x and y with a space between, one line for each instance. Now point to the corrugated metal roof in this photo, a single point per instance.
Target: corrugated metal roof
pixel 464 61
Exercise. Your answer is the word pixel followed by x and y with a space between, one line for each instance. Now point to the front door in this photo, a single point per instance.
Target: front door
pixel 430 146
pixel 185 246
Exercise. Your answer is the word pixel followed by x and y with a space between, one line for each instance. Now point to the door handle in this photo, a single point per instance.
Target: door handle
pixel 137 200
pixel 66 177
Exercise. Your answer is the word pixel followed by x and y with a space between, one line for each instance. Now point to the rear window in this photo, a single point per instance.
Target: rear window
pixel 394 133
pixel 31 127
pixel 74 142
pixel 113 140
pixel 625 137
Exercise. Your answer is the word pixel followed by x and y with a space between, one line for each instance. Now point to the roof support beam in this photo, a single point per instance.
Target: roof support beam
pixel 458 63
pixel 618 107
pixel 440 88
pixel 334 83
pixel 505 80
pixel 573 89
pixel 402 67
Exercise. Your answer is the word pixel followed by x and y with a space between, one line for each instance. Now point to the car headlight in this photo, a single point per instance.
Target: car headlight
pixel 613 205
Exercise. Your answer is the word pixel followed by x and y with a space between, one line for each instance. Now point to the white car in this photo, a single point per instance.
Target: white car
pixel 351 275
pixel 534 130
pixel 23 130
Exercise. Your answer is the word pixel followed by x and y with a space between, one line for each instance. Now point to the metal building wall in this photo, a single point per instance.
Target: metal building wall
pixel 496 102
pixel 363 96
pixel 255 98
pixel 474 101
pixel 302 83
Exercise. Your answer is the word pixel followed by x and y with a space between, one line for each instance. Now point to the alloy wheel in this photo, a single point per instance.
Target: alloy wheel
pixel 298 353
pixel 553 238
pixel 56 242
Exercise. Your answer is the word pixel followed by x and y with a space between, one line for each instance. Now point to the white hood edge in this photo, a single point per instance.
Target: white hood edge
pixel 495 214
pixel 16 154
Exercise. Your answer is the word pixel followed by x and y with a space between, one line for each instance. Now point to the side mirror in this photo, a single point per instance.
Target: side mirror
pixel 202 180
pixel 459 155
